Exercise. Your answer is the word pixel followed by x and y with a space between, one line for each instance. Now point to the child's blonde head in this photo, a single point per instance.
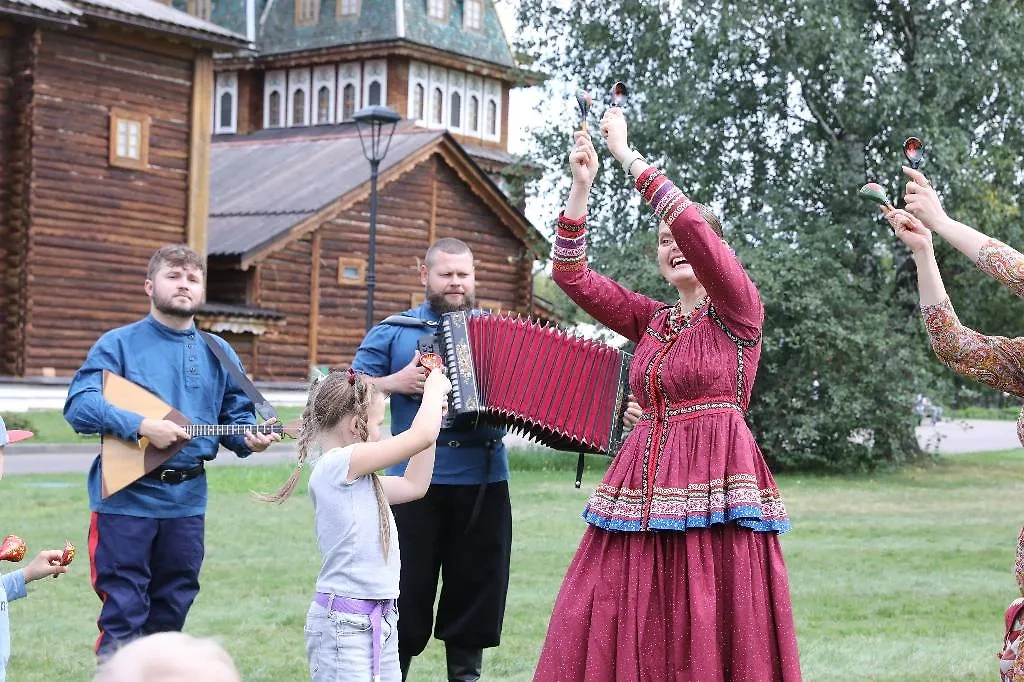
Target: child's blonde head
pixel 332 398
pixel 169 657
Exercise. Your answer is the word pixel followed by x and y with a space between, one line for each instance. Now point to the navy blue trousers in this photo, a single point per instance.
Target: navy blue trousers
pixel 146 573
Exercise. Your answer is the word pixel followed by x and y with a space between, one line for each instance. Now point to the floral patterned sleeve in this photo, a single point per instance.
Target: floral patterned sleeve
pixel 991 360
pixel 623 311
pixel 1003 263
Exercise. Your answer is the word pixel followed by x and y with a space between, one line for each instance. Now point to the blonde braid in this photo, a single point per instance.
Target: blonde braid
pixel 364 395
pixel 308 430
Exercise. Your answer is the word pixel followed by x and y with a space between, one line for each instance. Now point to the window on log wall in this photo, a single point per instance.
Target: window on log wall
pixel 129 139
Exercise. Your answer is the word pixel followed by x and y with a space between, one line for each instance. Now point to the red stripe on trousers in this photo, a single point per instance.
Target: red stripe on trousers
pixel 93 542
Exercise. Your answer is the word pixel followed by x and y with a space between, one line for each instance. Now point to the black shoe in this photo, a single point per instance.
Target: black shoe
pixel 463 664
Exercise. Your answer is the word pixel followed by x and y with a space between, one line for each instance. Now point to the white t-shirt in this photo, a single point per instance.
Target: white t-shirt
pixel 348 532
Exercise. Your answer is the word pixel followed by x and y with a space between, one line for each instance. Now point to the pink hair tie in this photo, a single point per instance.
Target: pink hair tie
pixel 351 377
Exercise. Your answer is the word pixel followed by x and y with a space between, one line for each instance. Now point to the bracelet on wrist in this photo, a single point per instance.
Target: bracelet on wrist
pixel 629 159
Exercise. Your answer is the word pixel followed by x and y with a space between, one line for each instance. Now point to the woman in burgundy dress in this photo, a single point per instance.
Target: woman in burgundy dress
pixel 995 361
pixel 679 575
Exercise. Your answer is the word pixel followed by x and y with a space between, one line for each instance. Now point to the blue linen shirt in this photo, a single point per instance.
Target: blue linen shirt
pixel 4 438
pixel 386 349
pixel 12 586
pixel 179 368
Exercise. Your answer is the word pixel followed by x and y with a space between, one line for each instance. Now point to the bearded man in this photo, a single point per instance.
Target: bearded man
pixel 146 541
pixel 462 528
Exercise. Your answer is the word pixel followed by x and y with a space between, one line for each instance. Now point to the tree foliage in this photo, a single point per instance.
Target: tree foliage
pixel 775 112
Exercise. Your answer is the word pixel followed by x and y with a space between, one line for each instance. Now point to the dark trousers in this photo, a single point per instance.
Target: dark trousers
pixel 473 567
pixel 146 573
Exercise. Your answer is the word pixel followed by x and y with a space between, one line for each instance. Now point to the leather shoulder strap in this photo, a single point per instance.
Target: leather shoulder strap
pixel 263 406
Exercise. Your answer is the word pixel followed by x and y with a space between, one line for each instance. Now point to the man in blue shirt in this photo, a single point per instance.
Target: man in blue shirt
pixel 463 526
pixel 146 541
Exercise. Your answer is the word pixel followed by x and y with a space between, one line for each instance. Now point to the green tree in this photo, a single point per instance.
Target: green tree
pixel 776 112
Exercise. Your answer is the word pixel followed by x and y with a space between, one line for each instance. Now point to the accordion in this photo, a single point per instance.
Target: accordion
pixel 557 389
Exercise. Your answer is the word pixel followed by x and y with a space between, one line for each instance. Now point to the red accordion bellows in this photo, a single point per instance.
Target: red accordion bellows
pixel 563 391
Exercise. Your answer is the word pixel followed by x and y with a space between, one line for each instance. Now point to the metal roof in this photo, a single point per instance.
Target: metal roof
pixel 261 187
pixel 158 16
pixel 43 9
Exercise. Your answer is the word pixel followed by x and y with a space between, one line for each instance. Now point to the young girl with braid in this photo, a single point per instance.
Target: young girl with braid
pixel 357 589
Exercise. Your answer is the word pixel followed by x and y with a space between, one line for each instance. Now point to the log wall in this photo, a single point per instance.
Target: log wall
pixel 430 201
pixel 94 226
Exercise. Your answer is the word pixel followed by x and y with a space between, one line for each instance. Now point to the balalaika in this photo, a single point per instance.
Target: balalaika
pixel 560 390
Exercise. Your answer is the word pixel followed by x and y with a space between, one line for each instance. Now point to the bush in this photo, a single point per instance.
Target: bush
pixel 17 420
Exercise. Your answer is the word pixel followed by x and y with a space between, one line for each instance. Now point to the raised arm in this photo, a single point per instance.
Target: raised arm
pixel 735 297
pixel 990 360
pixel 994 258
pixel 613 305
pixel 421 435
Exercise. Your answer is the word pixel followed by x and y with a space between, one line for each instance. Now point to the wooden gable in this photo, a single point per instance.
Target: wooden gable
pixel 305 278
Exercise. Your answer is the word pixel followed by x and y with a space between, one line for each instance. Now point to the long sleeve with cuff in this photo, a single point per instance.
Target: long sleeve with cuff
pixel 623 311
pixel 733 294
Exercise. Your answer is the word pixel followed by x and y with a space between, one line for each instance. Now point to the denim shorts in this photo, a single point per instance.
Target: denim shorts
pixel 339 646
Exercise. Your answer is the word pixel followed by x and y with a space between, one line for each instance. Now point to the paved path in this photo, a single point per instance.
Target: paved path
pixel 949 437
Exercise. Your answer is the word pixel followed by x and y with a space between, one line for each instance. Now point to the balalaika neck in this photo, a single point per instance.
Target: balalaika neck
pixel 230 429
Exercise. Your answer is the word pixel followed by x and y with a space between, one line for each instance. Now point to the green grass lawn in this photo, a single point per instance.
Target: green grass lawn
pixel 1008 413
pixel 900 577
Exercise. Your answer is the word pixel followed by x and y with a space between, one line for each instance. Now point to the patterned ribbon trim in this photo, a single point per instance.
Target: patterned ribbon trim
pixel 667 200
pixel 569 253
pixel 683 411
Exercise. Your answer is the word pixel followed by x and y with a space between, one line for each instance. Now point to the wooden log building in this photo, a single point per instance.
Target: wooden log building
pixel 288 251
pixel 105 122
pixel 128 124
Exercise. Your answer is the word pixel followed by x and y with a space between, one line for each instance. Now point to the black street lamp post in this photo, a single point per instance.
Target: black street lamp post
pixel 375 137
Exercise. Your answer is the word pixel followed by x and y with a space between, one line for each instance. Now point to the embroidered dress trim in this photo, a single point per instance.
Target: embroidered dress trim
pixel 569 253
pixel 736 499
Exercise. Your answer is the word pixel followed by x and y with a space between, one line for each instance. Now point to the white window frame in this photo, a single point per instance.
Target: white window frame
pixel 433 5
pixel 298 79
pixel 346 4
pixel 475 88
pixel 438 80
pixel 129 139
pixel 466 24
pixel 456 85
pixel 375 70
pixel 349 73
pixel 227 82
pixel 323 76
pixel 275 81
pixel 418 75
pixel 492 93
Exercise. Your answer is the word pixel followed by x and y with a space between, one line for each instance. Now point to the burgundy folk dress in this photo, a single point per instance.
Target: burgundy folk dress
pixel 679 576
